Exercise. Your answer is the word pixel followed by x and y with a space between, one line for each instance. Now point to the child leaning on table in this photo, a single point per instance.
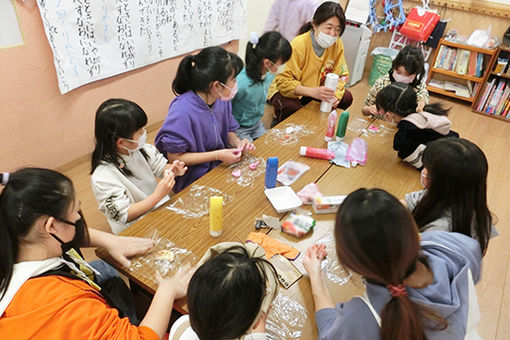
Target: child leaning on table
pixel 454 178
pixel 398 103
pixel 408 68
pixel 124 167
pixel 229 295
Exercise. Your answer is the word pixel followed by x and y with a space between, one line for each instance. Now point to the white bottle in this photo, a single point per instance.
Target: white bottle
pixel 331 82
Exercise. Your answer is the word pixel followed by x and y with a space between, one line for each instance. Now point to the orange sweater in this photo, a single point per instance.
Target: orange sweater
pixel 56 307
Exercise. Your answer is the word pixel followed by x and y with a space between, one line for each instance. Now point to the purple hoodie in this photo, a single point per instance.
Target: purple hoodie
pixel 191 126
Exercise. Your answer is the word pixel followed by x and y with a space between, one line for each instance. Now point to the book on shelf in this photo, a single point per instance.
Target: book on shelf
pixel 436 83
pixel 502 101
pixel 496 96
pixel 459 89
pixel 439 55
pixel 462 62
pixel 486 92
pixel 479 65
pixel 472 64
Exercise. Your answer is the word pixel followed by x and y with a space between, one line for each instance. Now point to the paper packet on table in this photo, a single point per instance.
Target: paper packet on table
pixel 327 204
pixel 298 224
pixel 290 171
pixel 308 193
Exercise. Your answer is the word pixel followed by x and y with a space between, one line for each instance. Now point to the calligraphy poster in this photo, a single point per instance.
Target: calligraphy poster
pixel 96 39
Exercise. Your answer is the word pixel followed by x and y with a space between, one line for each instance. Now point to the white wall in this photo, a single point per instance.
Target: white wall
pixel 258 10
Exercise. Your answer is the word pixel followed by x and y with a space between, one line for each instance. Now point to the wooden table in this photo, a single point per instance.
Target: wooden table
pixel 383 170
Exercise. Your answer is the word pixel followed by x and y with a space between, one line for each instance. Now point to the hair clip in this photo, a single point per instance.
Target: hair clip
pixel 254 39
pixel 5 178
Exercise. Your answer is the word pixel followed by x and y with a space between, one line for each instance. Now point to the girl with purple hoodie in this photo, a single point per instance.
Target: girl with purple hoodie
pixel 399 103
pixel 199 129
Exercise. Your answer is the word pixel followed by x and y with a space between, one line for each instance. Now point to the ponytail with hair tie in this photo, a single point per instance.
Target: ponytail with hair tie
pixel 5 178
pixel 397 290
pixel 254 39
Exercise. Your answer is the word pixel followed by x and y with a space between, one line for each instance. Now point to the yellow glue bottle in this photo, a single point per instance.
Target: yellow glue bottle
pixel 215 215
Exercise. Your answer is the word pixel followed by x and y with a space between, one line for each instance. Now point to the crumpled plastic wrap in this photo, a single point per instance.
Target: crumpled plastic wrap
pixel 248 175
pixel 155 261
pixel 286 319
pixel 340 149
pixel 375 130
pixel 288 134
pixel 331 265
pixel 195 203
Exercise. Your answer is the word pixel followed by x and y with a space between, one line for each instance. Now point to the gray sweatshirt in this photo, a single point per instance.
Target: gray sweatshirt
pixel 450 257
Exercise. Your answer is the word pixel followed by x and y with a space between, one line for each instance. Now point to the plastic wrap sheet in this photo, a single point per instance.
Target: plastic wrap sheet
pixel 247 177
pixel 164 258
pixel 196 202
pixel 340 149
pixel 288 134
pixel 375 130
pixel 286 319
pixel 331 266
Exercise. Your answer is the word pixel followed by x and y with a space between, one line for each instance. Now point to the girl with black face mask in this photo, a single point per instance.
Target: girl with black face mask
pixel 45 285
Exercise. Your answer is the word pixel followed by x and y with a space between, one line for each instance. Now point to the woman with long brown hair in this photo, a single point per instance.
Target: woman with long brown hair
pixel 415 289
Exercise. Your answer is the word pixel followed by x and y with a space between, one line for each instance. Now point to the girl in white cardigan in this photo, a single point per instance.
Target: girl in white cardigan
pixel 124 167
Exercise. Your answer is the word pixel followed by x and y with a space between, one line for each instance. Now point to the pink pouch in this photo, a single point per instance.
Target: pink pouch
pixel 357 152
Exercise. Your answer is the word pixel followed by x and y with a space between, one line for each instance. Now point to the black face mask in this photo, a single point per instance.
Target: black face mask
pixel 78 236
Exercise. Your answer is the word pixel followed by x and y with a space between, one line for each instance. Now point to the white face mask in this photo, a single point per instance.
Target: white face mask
pixel 279 69
pixel 140 142
pixel 325 40
pixel 403 79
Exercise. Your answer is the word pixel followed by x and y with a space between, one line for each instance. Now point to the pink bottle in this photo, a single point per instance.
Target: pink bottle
pixel 330 132
pixel 316 153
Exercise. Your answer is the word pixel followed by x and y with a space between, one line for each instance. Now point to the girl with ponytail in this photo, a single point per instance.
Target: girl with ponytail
pixel 47 290
pixel 199 129
pixel 415 289
pixel 265 57
pixel 398 103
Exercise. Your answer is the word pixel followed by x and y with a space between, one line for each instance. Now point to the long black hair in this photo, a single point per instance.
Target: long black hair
pixel 273 46
pixel 197 72
pixel 401 99
pixel 29 194
pixel 457 182
pixel 116 118
pixel 225 294
pixel 411 58
pixel 325 11
pixel 376 237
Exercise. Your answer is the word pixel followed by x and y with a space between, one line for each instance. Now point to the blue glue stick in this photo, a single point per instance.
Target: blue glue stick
pixel 271 172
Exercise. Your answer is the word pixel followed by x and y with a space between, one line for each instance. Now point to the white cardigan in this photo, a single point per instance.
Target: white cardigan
pixel 115 192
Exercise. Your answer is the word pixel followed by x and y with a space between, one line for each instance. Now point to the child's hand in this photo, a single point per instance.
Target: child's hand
pixel 246 145
pixel 373 110
pixel 323 93
pixel 177 167
pixel 335 103
pixel 229 156
pixel 177 283
pixel 313 259
pixel 121 248
pixel 165 186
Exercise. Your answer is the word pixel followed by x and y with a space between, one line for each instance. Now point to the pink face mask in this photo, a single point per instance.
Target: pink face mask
pixel 232 94
pixel 403 79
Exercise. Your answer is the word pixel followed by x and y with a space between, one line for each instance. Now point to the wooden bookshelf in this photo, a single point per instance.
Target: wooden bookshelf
pixel 491 74
pixel 488 58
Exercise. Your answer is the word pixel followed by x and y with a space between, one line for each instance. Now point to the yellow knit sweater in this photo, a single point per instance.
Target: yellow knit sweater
pixel 307 69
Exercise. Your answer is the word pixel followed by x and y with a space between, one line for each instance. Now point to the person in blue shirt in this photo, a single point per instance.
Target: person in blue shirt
pixel 265 57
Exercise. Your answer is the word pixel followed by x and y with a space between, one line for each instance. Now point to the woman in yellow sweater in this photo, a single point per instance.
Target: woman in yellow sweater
pixel 316 52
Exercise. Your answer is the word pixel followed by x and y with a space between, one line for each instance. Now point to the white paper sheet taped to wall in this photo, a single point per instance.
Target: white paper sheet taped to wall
pixel 96 39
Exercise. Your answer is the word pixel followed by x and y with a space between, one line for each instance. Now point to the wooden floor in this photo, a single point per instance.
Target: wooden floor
pixel 491 135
